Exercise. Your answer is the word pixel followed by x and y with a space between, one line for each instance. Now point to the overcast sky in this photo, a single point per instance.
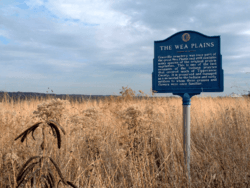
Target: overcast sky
pixel 97 46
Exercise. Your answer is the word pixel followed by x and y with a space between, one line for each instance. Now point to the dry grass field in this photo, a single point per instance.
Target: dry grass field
pixel 127 142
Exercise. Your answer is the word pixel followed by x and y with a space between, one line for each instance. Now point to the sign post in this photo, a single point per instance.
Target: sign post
pixel 186 64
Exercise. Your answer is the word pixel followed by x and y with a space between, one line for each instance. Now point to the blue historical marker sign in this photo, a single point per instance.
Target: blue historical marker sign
pixel 187 62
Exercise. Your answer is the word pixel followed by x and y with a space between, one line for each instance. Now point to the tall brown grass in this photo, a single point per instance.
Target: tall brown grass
pixel 127 142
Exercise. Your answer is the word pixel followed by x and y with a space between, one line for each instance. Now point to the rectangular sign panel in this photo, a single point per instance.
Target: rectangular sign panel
pixel 187 62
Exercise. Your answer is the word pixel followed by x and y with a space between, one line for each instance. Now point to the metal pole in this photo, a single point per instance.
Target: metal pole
pixel 186 131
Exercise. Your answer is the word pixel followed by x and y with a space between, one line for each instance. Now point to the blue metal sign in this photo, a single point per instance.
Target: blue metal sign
pixel 187 62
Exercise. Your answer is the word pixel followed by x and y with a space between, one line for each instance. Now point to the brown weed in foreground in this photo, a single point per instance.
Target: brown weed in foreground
pixel 40 173
pixel 127 142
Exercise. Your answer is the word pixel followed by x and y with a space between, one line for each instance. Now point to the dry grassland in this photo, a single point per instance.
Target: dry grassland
pixel 126 142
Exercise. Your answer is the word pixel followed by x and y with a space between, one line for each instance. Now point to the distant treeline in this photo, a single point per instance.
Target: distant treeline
pixel 20 96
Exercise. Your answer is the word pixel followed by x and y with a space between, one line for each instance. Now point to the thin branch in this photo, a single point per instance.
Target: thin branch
pixel 27 131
